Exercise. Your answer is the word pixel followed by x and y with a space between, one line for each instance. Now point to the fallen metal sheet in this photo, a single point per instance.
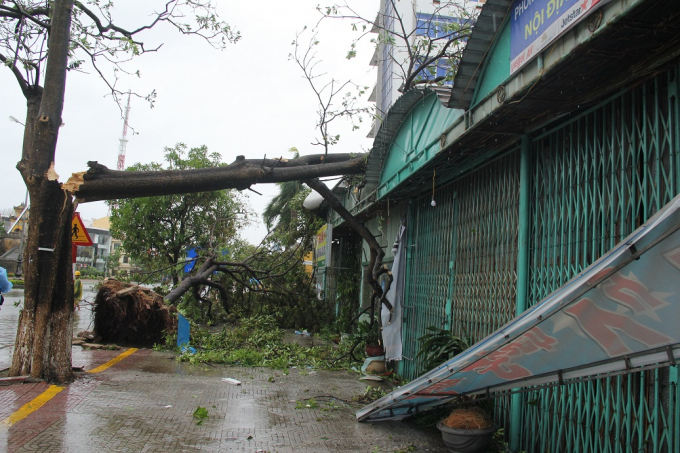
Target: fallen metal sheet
pixel 618 315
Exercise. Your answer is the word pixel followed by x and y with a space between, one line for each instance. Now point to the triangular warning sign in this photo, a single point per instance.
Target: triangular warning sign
pixel 79 234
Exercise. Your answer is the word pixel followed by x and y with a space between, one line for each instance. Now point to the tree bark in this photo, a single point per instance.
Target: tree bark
pixel 100 183
pixel 43 344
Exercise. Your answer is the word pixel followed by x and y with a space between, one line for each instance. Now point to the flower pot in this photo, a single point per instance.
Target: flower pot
pixel 466 440
pixel 374 350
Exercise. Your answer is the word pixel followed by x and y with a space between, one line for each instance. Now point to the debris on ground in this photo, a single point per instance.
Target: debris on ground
pixel 82 338
pixel 108 347
pixel 371 378
pixel 85 335
pixel 125 313
pixel 231 381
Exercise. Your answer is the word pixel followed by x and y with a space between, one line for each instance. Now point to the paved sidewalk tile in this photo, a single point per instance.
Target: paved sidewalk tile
pixel 145 404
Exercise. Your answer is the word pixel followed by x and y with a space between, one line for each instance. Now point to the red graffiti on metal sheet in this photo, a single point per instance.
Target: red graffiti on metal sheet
pixel 438 388
pixel 501 362
pixel 631 293
pixel 673 257
pixel 421 396
pixel 442 386
pixel 605 327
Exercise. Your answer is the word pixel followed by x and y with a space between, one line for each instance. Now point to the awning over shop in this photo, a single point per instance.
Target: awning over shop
pixel 619 315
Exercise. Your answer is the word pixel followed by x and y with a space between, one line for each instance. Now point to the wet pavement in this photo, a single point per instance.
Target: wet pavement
pixel 146 402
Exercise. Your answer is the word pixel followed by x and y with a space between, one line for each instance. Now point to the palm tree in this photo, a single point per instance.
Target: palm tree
pixel 278 213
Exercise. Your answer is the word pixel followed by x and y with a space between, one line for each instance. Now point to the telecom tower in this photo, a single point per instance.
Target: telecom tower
pixel 123 145
pixel 123 139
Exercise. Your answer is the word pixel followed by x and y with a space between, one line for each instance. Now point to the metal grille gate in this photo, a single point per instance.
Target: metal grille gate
pixel 429 254
pixel 596 179
pixel 461 258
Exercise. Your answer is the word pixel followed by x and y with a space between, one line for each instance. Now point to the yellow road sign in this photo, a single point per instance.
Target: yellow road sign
pixel 79 234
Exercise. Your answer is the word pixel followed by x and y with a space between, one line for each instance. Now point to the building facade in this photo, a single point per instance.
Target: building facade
pixel 400 25
pixel 95 255
pixel 542 159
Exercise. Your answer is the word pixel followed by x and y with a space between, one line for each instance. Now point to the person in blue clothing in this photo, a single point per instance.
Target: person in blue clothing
pixel 5 284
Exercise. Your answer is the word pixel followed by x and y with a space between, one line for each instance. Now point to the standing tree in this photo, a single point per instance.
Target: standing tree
pixel 156 231
pixel 40 42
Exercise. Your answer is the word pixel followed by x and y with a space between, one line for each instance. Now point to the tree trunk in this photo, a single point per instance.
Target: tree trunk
pixel 43 344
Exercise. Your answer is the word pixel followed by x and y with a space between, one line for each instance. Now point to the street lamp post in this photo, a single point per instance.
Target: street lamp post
pixel 20 259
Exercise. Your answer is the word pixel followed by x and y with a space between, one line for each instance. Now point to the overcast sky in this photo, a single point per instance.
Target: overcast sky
pixel 248 99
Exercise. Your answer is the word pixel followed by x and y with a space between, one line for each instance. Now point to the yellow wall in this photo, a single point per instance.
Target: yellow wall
pixel 102 223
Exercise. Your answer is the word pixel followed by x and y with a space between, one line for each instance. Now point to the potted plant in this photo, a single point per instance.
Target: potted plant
pixel 467 430
pixel 370 333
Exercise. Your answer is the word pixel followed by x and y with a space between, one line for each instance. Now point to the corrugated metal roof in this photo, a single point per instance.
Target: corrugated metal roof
pixel 390 126
pixel 470 68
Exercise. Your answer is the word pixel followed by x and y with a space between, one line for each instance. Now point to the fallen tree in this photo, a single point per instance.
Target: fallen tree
pixel 42 41
pixel 101 183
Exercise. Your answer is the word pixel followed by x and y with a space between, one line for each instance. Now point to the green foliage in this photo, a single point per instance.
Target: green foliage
pixel 156 231
pixel 370 394
pixel 306 404
pixel 369 334
pixel 90 272
pixel 438 346
pixel 285 216
pixel 288 296
pixel 348 287
pixel 257 341
pixel 200 414
pixel 113 261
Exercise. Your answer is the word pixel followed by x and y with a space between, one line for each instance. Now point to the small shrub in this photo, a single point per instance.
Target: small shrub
pixel 438 346
pixel 91 272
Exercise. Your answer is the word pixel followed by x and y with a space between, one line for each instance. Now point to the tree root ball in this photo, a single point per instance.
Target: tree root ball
pixel 131 314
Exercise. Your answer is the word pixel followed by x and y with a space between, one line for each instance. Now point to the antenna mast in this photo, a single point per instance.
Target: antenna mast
pixel 123 139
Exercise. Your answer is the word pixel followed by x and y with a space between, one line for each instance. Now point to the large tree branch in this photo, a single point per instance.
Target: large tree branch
pixel 104 28
pixel 377 254
pixel 30 14
pixel 100 183
pixel 17 74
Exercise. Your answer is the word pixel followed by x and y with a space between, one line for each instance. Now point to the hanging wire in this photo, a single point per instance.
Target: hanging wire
pixel 433 203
